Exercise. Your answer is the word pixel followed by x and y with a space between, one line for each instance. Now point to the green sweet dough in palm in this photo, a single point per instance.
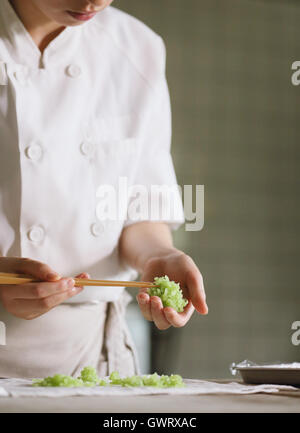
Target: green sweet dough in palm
pixel 169 292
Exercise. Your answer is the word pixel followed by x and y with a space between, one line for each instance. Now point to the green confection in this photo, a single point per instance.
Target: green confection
pixel 154 380
pixel 89 374
pixel 89 377
pixel 169 292
pixel 115 378
pixel 59 380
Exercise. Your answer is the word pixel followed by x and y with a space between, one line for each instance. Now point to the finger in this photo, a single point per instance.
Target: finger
pixel 83 275
pixel 179 319
pixel 143 300
pixel 38 290
pixel 157 312
pixel 38 270
pixel 196 290
pixel 41 306
pixel 144 290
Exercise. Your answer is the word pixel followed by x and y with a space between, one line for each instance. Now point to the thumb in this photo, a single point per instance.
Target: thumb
pixel 38 270
pixel 196 290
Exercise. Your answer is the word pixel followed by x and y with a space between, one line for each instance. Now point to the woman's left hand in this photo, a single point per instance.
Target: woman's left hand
pixel 180 268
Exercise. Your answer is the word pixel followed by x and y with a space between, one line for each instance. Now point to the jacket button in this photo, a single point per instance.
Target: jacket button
pixel 97 229
pixel 87 148
pixel 36 234
pixel 73 71
pixel 34 152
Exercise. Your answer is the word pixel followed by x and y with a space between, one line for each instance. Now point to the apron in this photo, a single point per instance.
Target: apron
pixel 68 338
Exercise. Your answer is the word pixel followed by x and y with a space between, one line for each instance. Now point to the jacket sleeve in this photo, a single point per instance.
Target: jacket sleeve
pixel 155 195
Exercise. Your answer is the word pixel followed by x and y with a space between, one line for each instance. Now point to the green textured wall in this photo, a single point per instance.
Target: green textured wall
pixel 236 129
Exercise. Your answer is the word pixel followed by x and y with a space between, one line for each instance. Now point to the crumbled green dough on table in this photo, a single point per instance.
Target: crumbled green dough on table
pixel 163 381
pixel 89 377
pixel 169 292
pixel 58 380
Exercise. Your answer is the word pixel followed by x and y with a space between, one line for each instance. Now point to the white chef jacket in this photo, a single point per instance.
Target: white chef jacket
pixel 93 108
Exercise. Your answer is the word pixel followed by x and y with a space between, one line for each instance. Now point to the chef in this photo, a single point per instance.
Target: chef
pixel 83 103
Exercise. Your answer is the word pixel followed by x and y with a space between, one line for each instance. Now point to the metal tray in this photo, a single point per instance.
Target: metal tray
pixel 276 376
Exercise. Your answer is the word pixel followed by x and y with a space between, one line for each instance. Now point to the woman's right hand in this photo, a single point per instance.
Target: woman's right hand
pixel 31 300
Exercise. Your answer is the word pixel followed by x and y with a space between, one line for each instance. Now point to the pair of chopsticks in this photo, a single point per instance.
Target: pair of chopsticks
pixel 8 278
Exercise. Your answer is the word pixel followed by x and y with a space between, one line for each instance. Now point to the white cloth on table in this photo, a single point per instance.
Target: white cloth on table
pixel 23 388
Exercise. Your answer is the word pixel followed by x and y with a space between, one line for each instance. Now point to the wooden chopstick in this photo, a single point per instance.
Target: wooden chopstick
pixel 10 278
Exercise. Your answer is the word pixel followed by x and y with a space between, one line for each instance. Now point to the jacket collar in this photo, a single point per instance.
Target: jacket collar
pixel 22 47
